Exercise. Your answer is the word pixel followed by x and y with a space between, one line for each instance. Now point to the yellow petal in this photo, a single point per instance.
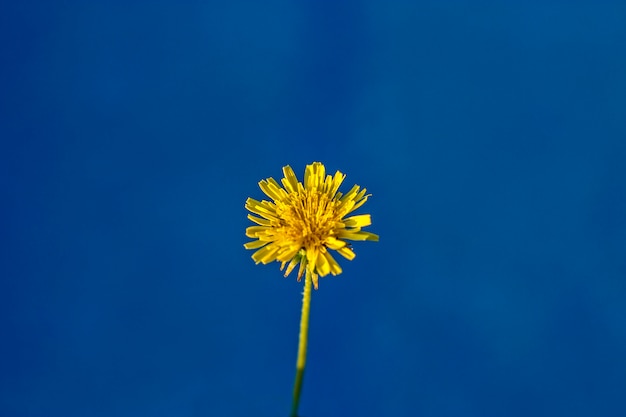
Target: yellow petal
pixel 357 235
pixel 290 182
pixel 271 188
pixel 346 252
pixel 265 254
pixel 358 221
pixel 371 236
pixel 359 203
pixel 322 266
pixel 311 256
pixel 254 231
pixel 257 220
pixel 288 253
pixel 254 244
pixel 314 176
pixel 360 194
pixel 335 269
pixel 270 255
pixel 263 209
pixel 333 243
pixel 350 196
pixel 337 180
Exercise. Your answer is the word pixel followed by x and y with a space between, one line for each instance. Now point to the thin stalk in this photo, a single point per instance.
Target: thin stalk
pixel 303 339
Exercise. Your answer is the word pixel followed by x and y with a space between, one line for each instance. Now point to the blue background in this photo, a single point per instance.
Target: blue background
pixel 492 136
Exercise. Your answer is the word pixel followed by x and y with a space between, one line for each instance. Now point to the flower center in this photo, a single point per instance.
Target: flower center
pixel 307 218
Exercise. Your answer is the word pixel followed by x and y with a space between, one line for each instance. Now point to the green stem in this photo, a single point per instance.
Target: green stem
pixel 304 335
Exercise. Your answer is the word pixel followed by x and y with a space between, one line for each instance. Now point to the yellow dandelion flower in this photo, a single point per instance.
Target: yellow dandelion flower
pixel 304 221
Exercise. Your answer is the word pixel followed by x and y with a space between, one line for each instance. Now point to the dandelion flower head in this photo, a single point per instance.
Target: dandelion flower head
pixel 302 222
